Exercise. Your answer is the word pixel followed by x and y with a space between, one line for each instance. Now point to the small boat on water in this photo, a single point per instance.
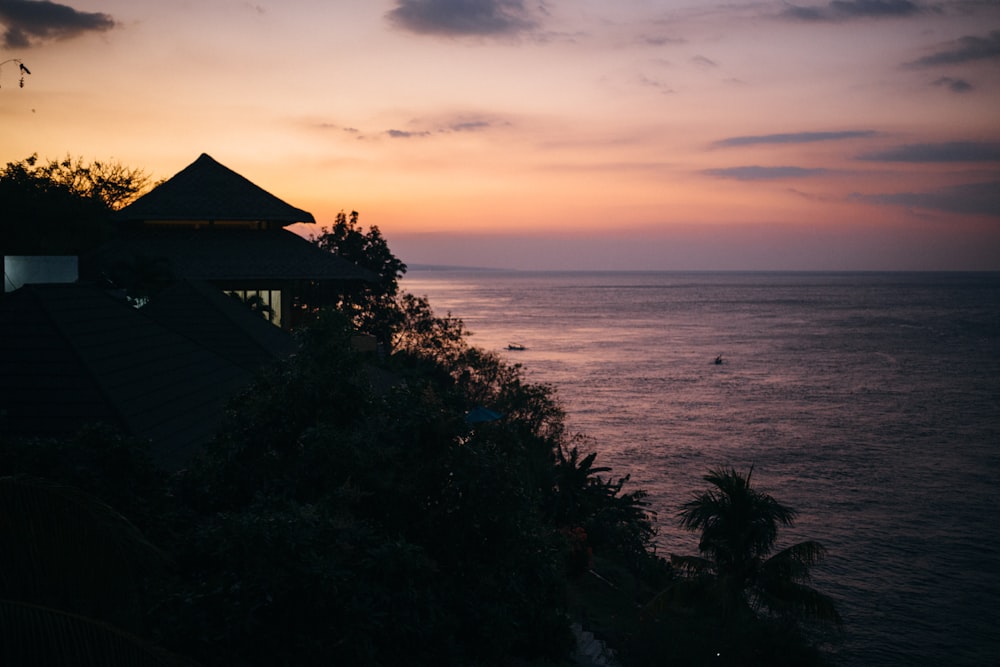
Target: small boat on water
pixel 516 347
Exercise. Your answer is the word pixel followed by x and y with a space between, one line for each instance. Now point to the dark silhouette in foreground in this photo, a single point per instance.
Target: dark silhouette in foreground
pixel 753 601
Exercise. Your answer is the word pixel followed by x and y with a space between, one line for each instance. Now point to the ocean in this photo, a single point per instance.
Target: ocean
pixel 868 402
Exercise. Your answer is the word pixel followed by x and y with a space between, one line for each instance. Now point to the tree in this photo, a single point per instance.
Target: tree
pixel 348 509
pixel 371 307
pixel 62 206
pixel 739 602
pixel 739 529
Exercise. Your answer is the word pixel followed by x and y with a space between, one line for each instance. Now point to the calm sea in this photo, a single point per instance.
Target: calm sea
pixel 869 402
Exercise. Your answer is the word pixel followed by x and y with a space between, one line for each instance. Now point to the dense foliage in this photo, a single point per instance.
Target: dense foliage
pixel 349 508
pixel 371 307
pixel 62 207
pixel 423 506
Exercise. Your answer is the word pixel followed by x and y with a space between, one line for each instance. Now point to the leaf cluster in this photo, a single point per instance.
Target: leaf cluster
pixel 63 206
pixel 371 306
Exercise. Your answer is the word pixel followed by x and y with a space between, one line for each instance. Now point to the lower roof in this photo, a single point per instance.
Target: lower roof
pixel 230 254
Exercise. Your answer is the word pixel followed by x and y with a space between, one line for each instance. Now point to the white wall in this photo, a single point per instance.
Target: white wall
pixel 26 269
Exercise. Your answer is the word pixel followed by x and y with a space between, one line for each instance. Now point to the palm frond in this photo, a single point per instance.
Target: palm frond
pixel 684 594
pixel 36 635
pixel 691 564
pixel 787 598
pixel 66 549
pixel 738 523
pixel 793 563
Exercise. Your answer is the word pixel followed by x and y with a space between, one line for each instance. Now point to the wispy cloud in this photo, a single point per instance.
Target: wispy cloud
pixel 660 40
pixel 953 84
pixel 460 18
pixel 470 126
pixel 30 22
pixel 794 138
pixel 757 173
pixel 846 10
pixel 405 134
pixel 951 151
pixel 965 50
pixel 967 199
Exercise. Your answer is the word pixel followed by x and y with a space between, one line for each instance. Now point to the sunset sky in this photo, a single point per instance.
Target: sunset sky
pixel 550 134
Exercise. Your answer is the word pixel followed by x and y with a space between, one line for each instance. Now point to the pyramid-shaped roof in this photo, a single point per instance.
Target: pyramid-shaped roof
pixel 207 190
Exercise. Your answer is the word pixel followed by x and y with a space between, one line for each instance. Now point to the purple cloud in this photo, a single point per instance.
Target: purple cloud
pixel 757 173
pixel 965 50
pixel 845 10
pixel 403 134
pixel 954 85
pixel 794 138
pixel 461 18
pixel 966 199
pixel 950 151
pixel 30 22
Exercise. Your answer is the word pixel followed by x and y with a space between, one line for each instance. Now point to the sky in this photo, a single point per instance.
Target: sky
pixel 549 134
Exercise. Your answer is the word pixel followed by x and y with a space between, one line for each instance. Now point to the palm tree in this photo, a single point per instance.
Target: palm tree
pixel 738 572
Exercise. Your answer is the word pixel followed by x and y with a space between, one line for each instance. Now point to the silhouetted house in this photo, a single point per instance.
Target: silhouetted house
pixel 75 355
pixel 210 224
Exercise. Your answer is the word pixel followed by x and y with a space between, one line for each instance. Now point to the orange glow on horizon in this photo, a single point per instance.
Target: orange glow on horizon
pixel 647 117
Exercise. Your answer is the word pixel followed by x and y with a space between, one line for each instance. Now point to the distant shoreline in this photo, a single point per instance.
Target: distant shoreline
pixel 443 268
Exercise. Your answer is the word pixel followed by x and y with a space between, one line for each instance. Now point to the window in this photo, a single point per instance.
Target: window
pixel 263 301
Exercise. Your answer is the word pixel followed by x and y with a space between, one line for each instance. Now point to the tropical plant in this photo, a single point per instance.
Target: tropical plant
pixel 738 572
pixel 70 590
pixel 612 520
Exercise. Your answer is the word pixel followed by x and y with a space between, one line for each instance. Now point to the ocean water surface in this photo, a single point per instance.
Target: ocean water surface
pixel 869 402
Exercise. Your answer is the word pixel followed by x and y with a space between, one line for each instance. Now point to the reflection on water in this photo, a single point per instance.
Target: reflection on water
pixel 869 402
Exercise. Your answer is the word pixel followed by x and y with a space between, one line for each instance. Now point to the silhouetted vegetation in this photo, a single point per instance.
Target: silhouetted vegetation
pixel 372 307
pixel 62 207
pixel 739 603
pixel 351 512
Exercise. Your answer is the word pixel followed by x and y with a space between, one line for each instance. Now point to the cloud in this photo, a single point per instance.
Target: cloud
pixel 794 138
pixel 965 50
pixel 404 134
pixel 952 151
pixel 29 22
pixel 702 61
pixel 757 173
pixel 462 18
pixel 966 199
pixel 655 84
pixel 470 126
pixel 954 85
pixel 845 10
pixel 660 40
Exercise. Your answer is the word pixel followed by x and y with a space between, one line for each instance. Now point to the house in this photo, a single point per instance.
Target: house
pixel 78 353
pixel 210 224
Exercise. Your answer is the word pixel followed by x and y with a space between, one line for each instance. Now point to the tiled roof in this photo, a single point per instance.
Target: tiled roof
pixel 74 354
pixel 207 190
pixel 232 254
pixel 219 322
